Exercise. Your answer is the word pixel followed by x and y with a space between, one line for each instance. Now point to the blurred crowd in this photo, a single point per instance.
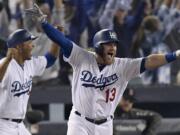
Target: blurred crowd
pixel 143 27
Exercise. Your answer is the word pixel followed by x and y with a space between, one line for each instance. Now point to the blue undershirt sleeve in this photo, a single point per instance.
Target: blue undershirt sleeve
pixel 50 59
pixel 59 38
pixel 170 57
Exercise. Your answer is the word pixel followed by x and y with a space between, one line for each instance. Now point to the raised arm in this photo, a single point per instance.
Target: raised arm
pixel 4 65
pixel 156 60
pixel 53 53
pixel 54 34
pixel 58 37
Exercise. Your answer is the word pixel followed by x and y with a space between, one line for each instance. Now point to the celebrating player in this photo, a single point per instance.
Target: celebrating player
pixel 16 72
pixel 99 79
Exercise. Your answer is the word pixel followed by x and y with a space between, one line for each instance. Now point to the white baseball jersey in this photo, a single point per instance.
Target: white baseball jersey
pixel 16 86
pixel 95 93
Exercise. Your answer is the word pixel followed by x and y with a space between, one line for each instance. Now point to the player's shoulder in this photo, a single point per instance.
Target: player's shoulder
pixel 77 47
pixel 36 59
pixel 122 60
pixel 84 51
pixel 91 52
pixel 4 58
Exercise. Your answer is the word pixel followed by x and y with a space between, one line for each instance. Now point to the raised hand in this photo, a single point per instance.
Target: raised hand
pixel 35 13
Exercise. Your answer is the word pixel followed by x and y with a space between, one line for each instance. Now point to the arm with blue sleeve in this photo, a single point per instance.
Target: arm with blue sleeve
pixel 154 61
pixel 51 55
pixel 58 37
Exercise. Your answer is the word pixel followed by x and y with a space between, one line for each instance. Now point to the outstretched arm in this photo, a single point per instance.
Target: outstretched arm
pixel 156 60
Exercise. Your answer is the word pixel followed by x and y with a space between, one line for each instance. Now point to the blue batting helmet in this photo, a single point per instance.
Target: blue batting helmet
pixel 19 36
pixel 104 36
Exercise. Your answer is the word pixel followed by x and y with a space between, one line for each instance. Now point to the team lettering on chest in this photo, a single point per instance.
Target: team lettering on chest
pixel 90 80
pixel 18 88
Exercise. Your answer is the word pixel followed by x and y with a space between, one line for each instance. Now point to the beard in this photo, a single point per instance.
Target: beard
pixel 108 59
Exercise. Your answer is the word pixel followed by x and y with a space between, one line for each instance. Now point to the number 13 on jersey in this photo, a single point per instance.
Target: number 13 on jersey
pixel 110 95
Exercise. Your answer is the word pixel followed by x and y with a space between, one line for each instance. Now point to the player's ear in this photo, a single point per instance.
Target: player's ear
pixel 19 47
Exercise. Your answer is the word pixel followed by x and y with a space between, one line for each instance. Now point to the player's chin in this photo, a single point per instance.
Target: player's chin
pixel 28 57
pixel 109 61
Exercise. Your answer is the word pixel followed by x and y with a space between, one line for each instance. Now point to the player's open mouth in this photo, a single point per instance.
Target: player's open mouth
pixel 110 54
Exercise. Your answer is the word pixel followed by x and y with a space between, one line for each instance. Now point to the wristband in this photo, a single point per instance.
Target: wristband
pixel 170 57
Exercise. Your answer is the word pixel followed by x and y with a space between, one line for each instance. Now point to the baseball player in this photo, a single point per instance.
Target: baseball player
pixel 16 72
pixel 99 79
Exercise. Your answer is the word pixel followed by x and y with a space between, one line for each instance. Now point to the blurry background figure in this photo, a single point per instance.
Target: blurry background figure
pixel 94 10
pixel 3 48
pixel 116 16
pixel 149 40
pixel 4 21
pixel 169 14
pixel 18 15
pixel 125 110
pixel 76 19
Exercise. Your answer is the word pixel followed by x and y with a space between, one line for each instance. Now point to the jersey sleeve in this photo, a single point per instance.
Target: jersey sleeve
pixel 39 65
pixel 131 68
pixel 77 57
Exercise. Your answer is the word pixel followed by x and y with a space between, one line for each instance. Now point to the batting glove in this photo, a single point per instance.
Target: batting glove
pixel 36 13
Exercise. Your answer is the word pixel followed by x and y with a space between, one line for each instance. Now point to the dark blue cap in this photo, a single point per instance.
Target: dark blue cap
pixel 18 37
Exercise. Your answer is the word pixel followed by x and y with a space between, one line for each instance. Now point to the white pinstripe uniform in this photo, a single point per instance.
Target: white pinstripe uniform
pixel 95 93
pixel 15 89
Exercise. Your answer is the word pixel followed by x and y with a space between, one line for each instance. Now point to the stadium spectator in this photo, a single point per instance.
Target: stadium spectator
pixel 3 48
pixel 4 21
pixel 125 25
pixel 125 110
pixel 169 14
pixel 148 40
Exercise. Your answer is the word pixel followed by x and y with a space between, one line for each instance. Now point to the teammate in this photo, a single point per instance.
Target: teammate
pixel 16 72
pixel 99 79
